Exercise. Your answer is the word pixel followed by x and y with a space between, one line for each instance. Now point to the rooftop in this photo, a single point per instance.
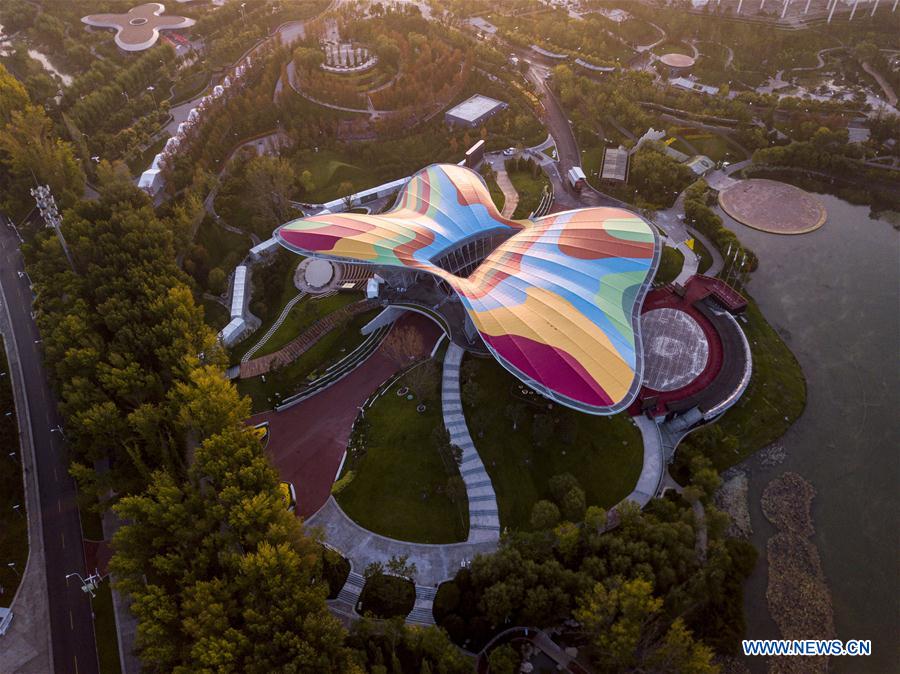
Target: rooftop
pixel 138 29
pixel 474 108
pixel 615 164
pixel 557 299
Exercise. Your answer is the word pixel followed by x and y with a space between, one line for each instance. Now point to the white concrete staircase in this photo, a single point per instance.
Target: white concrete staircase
pixel 484 517
pixel 421 613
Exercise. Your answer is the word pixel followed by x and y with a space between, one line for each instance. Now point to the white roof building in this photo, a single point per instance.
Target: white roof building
pixel 692 85
pixel 474 111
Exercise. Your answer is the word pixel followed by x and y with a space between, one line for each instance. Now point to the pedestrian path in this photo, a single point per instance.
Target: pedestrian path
pixel 654 463
pixel 435 563
pixel 421 613
pixel 510 195
pixel 484 518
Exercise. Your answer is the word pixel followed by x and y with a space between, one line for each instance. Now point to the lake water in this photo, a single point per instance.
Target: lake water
pixel 834 295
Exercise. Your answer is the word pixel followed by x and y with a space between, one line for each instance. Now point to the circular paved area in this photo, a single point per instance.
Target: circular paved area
pixel 774 207
pixel 675 349
pixel 318 273
pixel 675 60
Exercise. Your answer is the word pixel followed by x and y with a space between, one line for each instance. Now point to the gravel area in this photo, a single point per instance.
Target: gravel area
pixel 798 596
pixel 732 499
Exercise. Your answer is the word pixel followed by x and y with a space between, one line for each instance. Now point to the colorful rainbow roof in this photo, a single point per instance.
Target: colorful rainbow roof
pixel 557 303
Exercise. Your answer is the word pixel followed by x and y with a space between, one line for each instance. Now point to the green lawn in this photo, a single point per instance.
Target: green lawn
pixel 530 191
pixel 705 256
pixel 13 524
pixel 496 193
pixel 277 282
pixel 772 402
pixel 330 348
pixel 670 265
pixel 400 480
pixel 105 630
pixel 673 47
pixel 604 453
pixel 306 312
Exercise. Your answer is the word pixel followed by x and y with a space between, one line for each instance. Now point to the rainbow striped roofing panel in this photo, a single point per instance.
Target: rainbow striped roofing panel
pixel 557 303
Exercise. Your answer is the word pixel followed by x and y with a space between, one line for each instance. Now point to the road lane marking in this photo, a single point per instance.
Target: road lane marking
pixel 63 538
pixel 55 476
pixel 76 663
pixel 59 505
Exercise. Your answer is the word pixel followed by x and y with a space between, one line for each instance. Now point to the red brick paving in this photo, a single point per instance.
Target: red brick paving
pixel 307 441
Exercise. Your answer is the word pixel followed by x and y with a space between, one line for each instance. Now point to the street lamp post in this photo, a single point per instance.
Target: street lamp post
pixel 12 565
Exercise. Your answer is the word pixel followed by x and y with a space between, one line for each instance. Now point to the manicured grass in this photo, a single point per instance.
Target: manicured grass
pixel 591 163
pixel 705 256
pixel 284 279
pixel 400 480
pixel 604 453
pixel 306 312
pixel 772 402
pixel 673 47
pixel 496 193
pixel 105 630
pixel 530 191
pixel 13 525
pixel 330 348
pixel 670 265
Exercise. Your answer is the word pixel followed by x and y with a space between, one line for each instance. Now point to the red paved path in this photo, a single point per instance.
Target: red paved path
pixel 307 441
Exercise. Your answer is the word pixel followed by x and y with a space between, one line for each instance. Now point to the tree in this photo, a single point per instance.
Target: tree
pixel 13 96
pixel 562 484
pixel 270 183
pixel 403 346
pixel 573 504
pixel 422 379
pixel 544 515
pixel 31 151
pixel 215 281
pixel 449 452
pixel 504 660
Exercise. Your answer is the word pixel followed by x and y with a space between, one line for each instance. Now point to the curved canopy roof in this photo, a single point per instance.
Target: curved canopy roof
pixel 557 302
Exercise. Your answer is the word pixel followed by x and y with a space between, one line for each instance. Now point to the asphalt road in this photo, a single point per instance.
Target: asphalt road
pixel 557 124
pixel 71 622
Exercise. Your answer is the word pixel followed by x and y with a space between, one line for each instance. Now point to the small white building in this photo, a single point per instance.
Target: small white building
pixel 474 111
pixel 151 180
pixel 693 85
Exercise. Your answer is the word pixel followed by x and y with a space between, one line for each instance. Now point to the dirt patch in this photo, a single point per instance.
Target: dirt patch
pixel 798 596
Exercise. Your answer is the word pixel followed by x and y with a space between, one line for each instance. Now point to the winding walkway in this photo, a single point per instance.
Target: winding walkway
pixel 510 195
pixel 435 563
pixel 654 463
pixel 484 517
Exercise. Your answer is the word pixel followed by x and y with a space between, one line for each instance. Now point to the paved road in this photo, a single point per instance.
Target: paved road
pixel 71 623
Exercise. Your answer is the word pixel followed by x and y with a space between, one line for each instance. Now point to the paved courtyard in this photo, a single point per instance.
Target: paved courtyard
pixel 772 206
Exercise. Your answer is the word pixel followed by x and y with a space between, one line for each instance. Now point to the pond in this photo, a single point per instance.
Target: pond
pixel 834 295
